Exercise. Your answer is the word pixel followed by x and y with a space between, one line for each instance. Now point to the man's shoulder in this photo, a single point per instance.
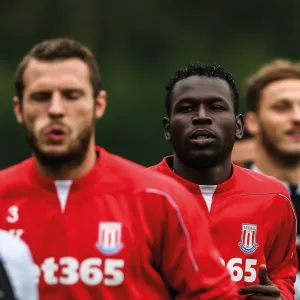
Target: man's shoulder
pixel 14 178
pixel 259 182
pixel 156 167
pixel 139 176
pixel 163 166
pixel 15 171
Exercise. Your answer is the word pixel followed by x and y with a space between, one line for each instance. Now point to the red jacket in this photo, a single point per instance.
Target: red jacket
pixel 252 221
pixel 119 232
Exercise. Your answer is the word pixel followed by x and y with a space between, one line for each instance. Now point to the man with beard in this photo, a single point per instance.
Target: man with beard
pixel 273 118
pixel 251 216
pixel 98 226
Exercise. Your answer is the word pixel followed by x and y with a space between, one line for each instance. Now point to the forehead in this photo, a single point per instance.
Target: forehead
pixel 287 89
pixel 56 74
pixel 201 87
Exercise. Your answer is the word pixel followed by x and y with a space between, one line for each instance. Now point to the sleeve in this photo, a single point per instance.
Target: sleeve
pixel 29 285
pixel 187 257
pixel 20 266
pixel 282 259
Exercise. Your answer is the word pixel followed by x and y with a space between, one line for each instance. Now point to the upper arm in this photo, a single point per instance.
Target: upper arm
pixel 189 262
pixel 282 260
pixel 281 221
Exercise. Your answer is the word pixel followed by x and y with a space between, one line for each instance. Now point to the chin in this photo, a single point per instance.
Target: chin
pixel 289 157
pixel 292 154
pixel 54 150
pixel 203 154
pixel 289 149
pixel 55 153
pixel 203 160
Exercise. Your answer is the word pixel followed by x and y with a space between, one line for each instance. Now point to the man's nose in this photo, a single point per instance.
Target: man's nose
pixel 296 114
pixel 56 108
pixel 201 117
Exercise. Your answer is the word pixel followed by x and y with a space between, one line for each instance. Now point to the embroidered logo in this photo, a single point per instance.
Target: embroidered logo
pixel 248 238
pixel 110 238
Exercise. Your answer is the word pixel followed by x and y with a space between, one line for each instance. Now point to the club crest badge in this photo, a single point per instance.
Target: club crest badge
pixel 248 242
pixel 110 238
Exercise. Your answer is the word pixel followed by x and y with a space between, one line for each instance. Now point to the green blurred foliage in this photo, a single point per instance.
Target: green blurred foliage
pixel 138 45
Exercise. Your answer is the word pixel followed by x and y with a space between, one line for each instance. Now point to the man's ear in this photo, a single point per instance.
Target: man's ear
pixel 101 102
pixel 239 126
pixel 167 129
pixel 18 109
pixel 252 123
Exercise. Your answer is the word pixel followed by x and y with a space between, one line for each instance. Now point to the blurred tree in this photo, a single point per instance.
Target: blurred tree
pixel 138 44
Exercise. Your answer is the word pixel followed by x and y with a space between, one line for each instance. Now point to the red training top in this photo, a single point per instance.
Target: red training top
pixel 119 232
pixel 252 221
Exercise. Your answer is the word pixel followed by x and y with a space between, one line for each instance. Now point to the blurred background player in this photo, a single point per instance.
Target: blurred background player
pixel 17 273
pixel 273 118
pixel 99 226
pixel 251 216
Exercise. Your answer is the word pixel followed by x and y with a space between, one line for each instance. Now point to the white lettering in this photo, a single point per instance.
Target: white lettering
pixel 235 267
pixel 49 268
pixel 112 268
pixel 251 271
pixel 13 214
pixel 91 271
pixel 69 270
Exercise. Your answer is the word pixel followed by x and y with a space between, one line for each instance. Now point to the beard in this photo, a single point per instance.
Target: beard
pixel 287 159
pixel 72 157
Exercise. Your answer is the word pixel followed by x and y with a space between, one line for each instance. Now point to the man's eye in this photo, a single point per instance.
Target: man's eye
pixel 217 107
pixel 185 109
pixel 41 96
pixel 72 95
pixel 281 107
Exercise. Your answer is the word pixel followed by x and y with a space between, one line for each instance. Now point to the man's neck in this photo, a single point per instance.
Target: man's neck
pixel 210 176
pixel 276 168
pixel 70 172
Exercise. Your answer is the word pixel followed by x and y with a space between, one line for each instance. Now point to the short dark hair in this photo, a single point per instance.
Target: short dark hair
pixel 199 69
pixel 59 49
pixel 276 70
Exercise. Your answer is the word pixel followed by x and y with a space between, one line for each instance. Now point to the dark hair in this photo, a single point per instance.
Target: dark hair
pixel 198 69
pixel 278 69
pixel 59 49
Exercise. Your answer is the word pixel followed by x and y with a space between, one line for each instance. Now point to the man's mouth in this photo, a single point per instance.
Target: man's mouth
pixel 294 134
pixel 202 133
pixel 56 134
pixel 202 137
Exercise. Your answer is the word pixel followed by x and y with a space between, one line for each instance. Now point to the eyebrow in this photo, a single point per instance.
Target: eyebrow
pixel 76 90
pixel 195 99
pixel 284 99
pixel 48 90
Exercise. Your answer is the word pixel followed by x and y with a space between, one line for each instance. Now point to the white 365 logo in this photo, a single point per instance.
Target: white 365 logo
pixel 234 265
pixel 91 271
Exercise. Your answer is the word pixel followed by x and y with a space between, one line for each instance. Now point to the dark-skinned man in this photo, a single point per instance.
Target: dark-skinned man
pixel 252 219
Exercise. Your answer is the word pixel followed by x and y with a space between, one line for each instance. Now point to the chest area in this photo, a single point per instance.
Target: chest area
pixel 91 240
pixel 85 218
pixel 238 227
pixel 239 218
